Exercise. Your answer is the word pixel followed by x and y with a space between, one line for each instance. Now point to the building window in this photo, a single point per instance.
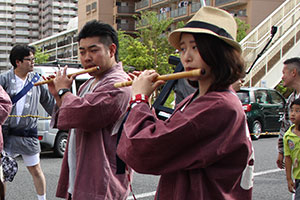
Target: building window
pixel 94 6
pixel 88 8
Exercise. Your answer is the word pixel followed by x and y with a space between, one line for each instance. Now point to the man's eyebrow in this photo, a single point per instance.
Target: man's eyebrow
pixel 89 47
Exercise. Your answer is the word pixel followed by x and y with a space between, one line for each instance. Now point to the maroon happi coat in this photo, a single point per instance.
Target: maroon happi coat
pixel 202 153
pixel 93 116
pixel 5 108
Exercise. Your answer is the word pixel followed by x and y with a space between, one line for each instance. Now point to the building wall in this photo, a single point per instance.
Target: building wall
pixel 118 13
pixel 26 21
pixel 258 10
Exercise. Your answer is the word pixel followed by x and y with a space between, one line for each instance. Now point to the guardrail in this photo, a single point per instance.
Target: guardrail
pixel 284 17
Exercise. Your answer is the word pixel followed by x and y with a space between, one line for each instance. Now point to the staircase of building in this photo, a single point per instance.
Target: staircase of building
pixel 267 70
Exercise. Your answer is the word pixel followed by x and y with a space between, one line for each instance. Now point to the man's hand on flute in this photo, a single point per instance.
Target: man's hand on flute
pixel 60 81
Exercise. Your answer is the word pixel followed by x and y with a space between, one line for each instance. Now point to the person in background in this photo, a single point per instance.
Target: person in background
pixel 291 142
pixel 5 108
pixel 290 78
pixel 204 150
pixel 89 168
pixel 20 132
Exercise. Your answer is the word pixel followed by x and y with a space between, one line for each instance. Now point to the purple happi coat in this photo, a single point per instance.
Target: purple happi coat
pixel 202 152
pixel 93 116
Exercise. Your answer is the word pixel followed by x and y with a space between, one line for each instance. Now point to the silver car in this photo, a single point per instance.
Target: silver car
pixel 52 138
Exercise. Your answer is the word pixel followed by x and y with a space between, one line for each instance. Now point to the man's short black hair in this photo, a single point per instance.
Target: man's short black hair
pixel 18 52
pixel 296 102
pixel 293 63
pixel 106 33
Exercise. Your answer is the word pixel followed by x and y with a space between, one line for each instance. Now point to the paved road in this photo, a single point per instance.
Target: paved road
pixel 269 182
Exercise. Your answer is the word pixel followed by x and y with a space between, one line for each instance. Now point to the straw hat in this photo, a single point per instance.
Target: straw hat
pixel 211 21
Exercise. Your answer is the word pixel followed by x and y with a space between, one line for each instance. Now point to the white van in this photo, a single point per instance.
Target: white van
pixel 52 138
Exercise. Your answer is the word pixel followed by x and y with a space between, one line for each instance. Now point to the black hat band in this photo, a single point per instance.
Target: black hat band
pixel 219 31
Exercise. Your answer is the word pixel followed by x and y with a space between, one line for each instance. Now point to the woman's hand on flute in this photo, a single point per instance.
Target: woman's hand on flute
pixel 145 83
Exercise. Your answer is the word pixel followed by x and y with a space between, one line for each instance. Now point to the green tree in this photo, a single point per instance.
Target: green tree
pixel 40 57
pixel 242 29
pixel 152 33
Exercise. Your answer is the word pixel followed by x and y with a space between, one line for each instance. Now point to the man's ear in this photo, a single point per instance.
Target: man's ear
pixel 18 62
pixel 295 72
pixel 112 49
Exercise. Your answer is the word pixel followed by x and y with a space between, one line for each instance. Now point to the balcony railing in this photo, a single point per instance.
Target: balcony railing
pixel 179 12
pixel 156 1
pixel 126 27
pixel 162 16
pixel 196 6
pixel 222 2
pixel 141 4
pixel 127 9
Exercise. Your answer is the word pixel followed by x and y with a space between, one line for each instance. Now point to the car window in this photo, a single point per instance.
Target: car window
pixel 276 98
pixel 261 96
pixel 243 96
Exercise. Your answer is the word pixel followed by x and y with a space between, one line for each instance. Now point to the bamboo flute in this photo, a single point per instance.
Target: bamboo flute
pixel 167 77
pixel 69 75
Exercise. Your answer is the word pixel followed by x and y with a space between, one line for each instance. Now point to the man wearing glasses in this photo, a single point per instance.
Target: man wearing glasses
pixel 20 130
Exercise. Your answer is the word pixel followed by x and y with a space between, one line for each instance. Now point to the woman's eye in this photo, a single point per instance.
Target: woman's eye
pixel 194 47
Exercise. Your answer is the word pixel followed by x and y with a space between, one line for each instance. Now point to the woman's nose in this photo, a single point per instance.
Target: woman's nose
pixel 187 57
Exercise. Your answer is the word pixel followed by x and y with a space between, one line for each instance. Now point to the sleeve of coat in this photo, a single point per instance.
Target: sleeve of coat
pixel 94 110
pixel 46 99
pixel 205 132
pixel 5 105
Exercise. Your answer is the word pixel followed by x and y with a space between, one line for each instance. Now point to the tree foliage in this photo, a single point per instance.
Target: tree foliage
pixel 242 29
pixel 40 57
pixel 150 49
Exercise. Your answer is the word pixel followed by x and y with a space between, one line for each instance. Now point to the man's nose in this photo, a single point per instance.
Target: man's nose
pixel 87 56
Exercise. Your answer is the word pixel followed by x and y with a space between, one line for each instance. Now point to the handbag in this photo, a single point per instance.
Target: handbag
pixel 9 167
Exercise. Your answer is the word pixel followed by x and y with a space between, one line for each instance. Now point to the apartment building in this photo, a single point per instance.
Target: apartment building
pixel 119 13
pixel 26 21
pixel 251 11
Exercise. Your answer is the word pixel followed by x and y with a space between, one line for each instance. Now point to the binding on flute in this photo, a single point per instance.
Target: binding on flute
pixel 167 77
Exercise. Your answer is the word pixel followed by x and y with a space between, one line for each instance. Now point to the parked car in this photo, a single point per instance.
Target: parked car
pixel 264 108
pixel 52 138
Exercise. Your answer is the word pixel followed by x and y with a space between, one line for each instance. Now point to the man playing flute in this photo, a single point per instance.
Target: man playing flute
pixel 89 164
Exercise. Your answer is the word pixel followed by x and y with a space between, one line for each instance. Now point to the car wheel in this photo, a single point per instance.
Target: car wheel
pixel 256 130
pixel 60 144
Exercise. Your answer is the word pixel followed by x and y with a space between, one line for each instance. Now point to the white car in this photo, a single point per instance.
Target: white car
pixel 52 138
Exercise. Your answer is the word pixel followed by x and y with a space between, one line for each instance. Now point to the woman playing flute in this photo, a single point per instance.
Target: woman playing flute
pixel 203 151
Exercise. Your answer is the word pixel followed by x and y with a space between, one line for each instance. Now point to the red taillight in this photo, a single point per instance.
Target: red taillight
pixel 247 107
pixel 40 137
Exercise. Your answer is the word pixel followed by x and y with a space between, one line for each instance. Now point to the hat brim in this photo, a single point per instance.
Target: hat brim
pixel 174 37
